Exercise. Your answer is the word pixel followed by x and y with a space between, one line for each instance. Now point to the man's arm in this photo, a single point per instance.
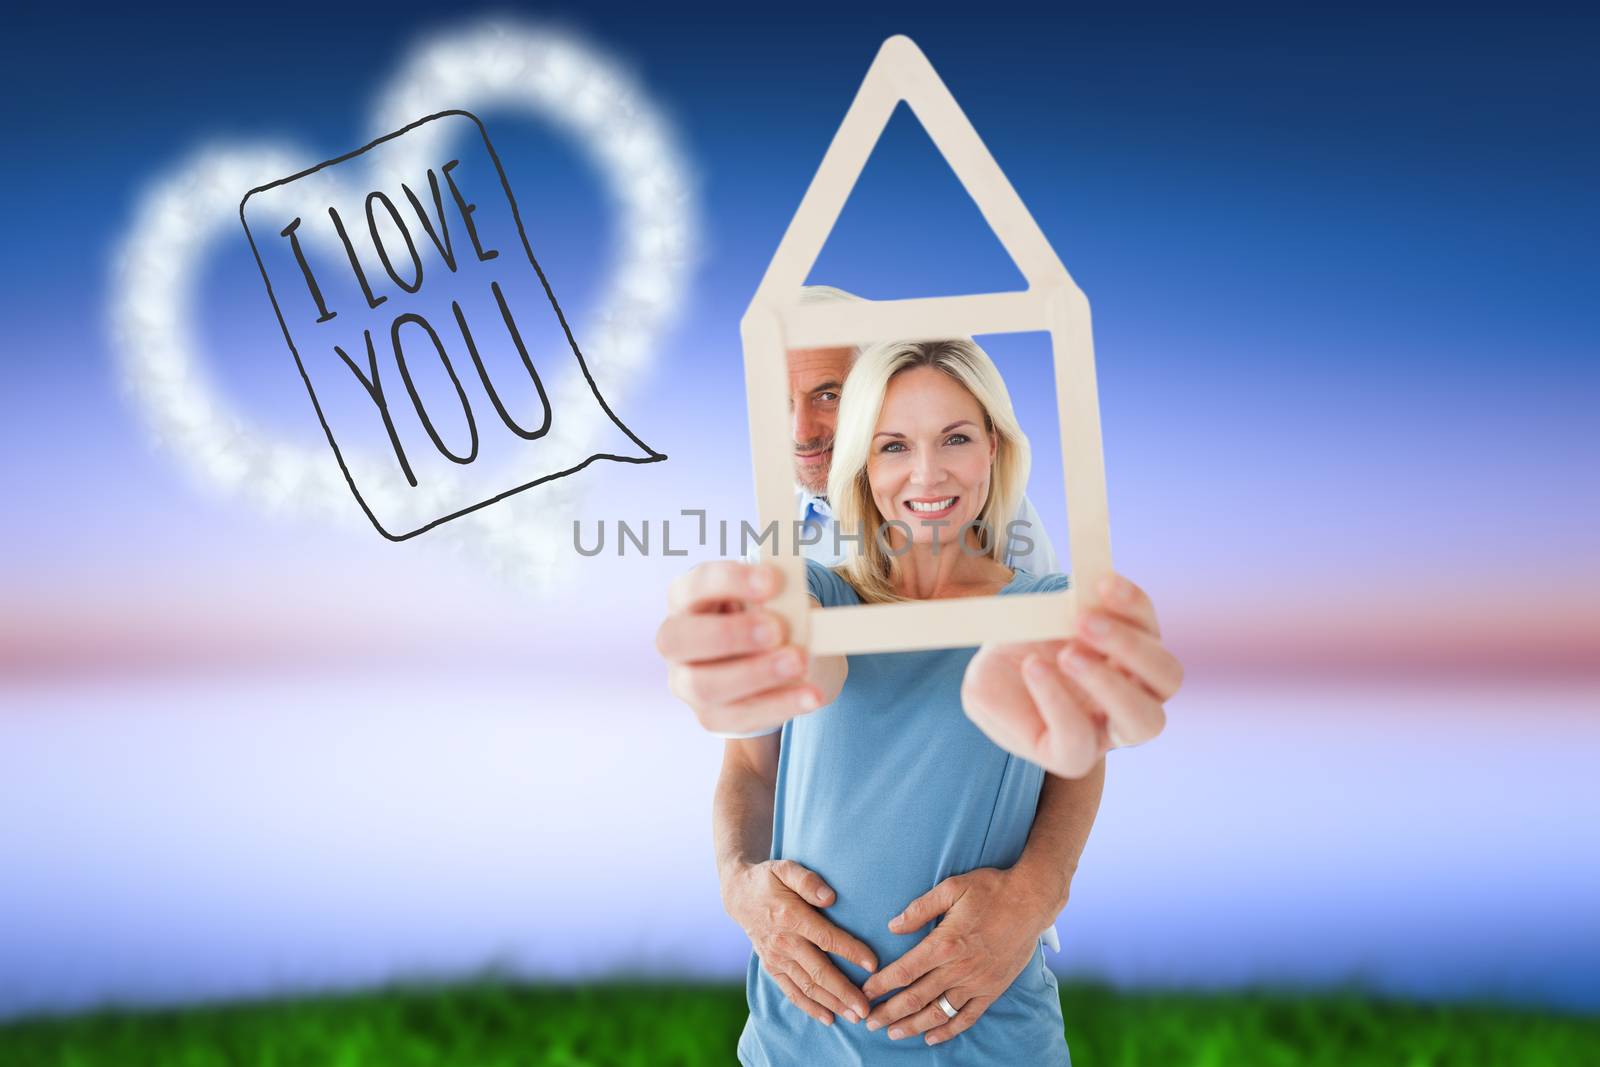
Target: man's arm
pixel 741 811
pixel 1061 825
pixel 776 902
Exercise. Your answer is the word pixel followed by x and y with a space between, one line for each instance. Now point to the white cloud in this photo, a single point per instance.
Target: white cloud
pixel 480 67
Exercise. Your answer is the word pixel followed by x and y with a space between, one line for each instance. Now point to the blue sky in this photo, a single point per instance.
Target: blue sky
pixel 1341 263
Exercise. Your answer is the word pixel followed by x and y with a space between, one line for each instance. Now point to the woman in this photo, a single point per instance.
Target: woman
pixel 889 790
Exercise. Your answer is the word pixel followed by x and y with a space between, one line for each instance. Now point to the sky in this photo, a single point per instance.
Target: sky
pixel 1342 272
pixel 1340 266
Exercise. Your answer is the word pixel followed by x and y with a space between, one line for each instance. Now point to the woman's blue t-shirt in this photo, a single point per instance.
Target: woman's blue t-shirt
pixel 885 793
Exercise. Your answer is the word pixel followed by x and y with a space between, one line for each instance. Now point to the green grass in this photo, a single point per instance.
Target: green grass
pixel 496 1024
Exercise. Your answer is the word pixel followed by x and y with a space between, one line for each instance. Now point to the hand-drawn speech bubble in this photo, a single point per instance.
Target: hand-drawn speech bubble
pixel 432 329
pixel 182 212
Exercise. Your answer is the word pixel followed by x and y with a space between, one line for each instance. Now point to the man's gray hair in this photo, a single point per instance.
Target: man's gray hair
pixel 828 294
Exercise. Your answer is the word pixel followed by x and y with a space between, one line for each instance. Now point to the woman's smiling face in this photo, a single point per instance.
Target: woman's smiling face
pixel 931 458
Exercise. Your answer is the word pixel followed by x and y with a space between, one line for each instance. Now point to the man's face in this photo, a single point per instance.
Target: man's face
pixel 816 378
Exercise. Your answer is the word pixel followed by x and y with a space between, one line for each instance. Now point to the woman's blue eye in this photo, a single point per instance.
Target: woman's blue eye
pixel 953 439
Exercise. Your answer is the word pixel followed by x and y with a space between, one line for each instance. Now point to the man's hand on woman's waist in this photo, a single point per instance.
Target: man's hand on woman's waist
pixel 776 903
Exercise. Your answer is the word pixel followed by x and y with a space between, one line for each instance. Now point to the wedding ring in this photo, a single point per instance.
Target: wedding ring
pixel 944 1005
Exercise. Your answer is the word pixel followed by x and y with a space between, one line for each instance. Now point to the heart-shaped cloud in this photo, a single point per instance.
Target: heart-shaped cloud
pixel 483 66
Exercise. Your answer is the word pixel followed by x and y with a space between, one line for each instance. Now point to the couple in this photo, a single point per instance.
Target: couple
pixel 898 789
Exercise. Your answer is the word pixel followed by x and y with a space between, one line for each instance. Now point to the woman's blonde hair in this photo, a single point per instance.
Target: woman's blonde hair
pixel 869 567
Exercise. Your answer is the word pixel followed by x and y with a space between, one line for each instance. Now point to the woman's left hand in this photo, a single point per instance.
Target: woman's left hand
pixel 1062 704
pixel 989 933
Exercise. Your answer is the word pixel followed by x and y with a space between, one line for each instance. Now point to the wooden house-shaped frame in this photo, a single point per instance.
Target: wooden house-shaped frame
pixel 775 322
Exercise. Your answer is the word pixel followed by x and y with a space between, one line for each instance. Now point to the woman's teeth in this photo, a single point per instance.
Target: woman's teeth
pixel 936 505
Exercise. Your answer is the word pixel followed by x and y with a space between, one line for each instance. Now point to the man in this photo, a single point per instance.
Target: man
pixel 778 902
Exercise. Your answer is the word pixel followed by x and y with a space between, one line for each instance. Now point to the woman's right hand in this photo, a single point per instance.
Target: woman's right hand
pixel 730 660
pixel 776 903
